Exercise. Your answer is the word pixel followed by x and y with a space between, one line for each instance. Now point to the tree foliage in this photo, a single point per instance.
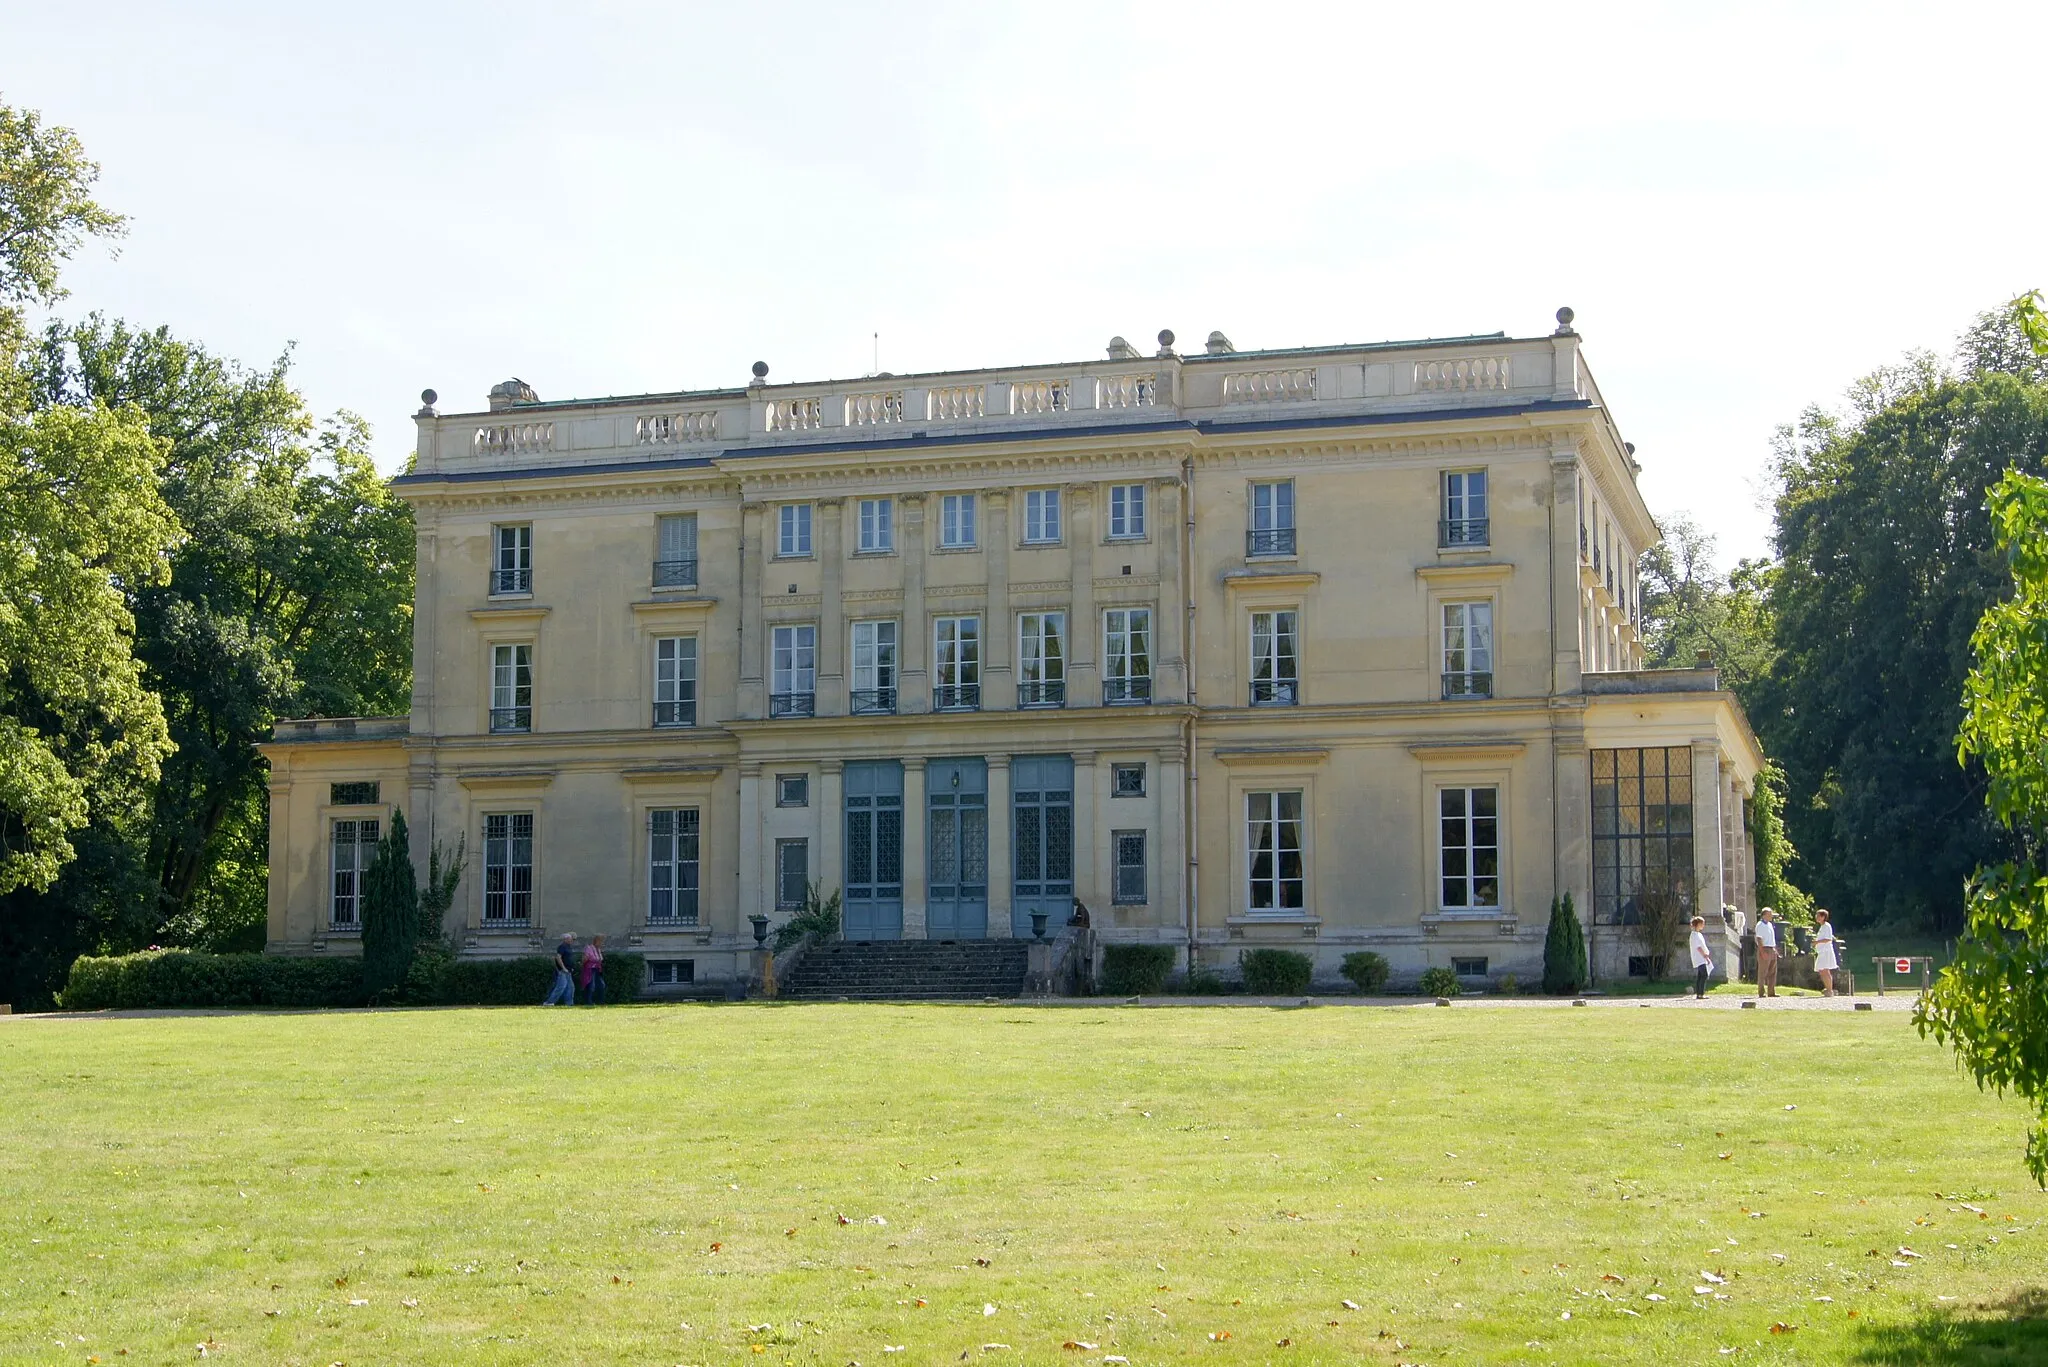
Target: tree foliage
pixel 1774 889
pixel 1564 950
pixel 46 206
pixel 391 913
pixel 1992 1002
pixel 1689 606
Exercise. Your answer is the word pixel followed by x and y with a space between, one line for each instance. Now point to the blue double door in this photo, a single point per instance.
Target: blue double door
pixel 956 843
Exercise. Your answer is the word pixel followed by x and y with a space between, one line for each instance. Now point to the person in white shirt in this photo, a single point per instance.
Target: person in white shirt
pixel 1702 958
pixel 1825 959
pixel 1767 953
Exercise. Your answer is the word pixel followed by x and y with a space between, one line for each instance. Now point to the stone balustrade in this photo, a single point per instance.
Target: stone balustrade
pixel 874 409
pixel 795 415
pixel 515 438
pixel 1464 374
pixel 673 429
pixel 1266 386
pixel 1041 396
pixel 950 403
pixel 1129 391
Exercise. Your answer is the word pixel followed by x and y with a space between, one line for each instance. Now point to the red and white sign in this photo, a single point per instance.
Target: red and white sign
pixel 1902 966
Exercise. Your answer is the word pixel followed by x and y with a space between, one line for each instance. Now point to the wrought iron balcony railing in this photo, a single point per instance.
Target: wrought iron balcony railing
pixel 511 719
pixel 872 702
pixel 1469 684
pixel 792 704
pixel 1042 693
pixel 956 697
pixel 1269 541
pixel 1462 531
pixel 511 581
pixel 1119 692
pixel 675 574
pixel 675 713
pixel 1275 692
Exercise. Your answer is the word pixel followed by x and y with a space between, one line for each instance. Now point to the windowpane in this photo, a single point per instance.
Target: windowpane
pixel 1130 866
pixel 795 663
pixel 672 869
pixel 508 867
pixel 1127 510
pixel 956 520
pixel 1469 848
pixel 1042 515
pixel 877 524
pixel 675 681
pixel 1276 865
pixel 792 872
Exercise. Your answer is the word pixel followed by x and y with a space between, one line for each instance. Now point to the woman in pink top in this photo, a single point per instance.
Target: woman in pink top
pixel 591 977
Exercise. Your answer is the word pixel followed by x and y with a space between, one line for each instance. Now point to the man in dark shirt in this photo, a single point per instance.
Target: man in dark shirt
pixel 563 993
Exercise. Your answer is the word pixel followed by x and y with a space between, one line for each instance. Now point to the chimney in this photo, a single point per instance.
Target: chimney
pixel 1218 345
pixel 510 392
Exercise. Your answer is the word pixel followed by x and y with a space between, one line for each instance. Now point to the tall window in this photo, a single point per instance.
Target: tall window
pixel 675 552
pixel 1130 866
pixel 1464 517
pixel 354 846
pixel 956 521
pixel 1468 650
pixel 1272 529
pixel 1041 659
pixel 1469 854
pixel 794 538
pixel 1276 658
pixel 792 873
pixel 512 559
pixel 793 685
pixel 1278 881
pixel 874 667
pixel 512 688
pixel 877 526
pixel 1042 515
pixel 1127 655
pixel 675 681
pixel 672 866
pixel 508 868
pixel 1642 831
pixel 1126 511
pixel 956 662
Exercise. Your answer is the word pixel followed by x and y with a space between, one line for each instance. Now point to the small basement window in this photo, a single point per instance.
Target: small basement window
pixel 1644 965
pixel 792 790
pixel 1128 780
pixel 352 794
pixel 671 972
pixel 1469 968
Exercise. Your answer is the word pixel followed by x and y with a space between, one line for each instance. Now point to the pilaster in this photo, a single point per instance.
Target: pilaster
pixel 1091 885
pixel 832 644
pixel 1571 817
pixel 916 868
pixel 753 662
pixel 1001 859
pixel 1567 632
pixel 831 804
pixel 1169 651
pixel 1709 887
pixel 1084 687
pixel 751 870
pixel 913 690
pixel 998 634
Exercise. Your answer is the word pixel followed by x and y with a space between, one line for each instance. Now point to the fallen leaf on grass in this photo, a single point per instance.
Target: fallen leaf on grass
pixel 981 1262
pixel 1080 1345
pixel 1219 1336
pixel 359 1302
pixel 1283 1343
pixel 987 1310
pixel 1653 1296
pixel 789 1233
pixel 1783 1328
pixel 1610 1277
pixel 715 1247
pixel 1116 1360
pixel 842 1219
pixel 1706 1276
pixel 1905 1252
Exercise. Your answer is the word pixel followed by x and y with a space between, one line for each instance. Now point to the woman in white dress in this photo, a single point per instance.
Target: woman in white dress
pixel 1825 960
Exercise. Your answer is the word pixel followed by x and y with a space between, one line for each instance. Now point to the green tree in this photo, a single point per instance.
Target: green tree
pixel 1774 888
pixel 1564 950
pixel 1991 1004
pixel 1886 562
pixel 391 913
pixel 1689 606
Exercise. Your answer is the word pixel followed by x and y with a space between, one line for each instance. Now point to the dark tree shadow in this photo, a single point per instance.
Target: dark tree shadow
pixel 2011 1330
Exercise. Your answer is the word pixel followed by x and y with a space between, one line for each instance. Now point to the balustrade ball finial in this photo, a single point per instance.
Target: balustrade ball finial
pixel 760 371
pixel 1165 338
pixel 429 397
pixel 1564 321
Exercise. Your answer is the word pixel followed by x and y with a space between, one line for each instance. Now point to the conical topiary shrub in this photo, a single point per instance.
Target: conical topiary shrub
pixel 391 914
pixel 1564 950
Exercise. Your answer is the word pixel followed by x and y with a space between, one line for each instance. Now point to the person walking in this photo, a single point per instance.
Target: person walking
pixel 1702 958
pixel 563 992
pixel 1767 953
pixel 1825 958
pixel 593 972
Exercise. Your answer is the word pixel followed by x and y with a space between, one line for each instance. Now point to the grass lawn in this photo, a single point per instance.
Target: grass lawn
pixel 826 1184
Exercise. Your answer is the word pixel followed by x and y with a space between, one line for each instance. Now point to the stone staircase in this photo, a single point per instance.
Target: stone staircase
pixel 910 970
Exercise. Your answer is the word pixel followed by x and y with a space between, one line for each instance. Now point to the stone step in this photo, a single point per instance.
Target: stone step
pixel 911 970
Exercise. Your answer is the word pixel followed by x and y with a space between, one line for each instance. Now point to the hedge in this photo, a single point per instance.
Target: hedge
pixel 163 979
pixel 1276 972
pixel 1367 971
pixel 1136 970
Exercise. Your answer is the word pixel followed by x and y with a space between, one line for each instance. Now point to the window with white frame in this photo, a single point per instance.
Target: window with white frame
pixel 1129 887
pixel 793 671
pixel 672 868
pixel 353 844
pixel 1126 511
pixel 792 873
pixel 956 662
pixel 512 687
pixel 512 559
pixel 877 532
pixel 675 551
pixel 675 681
pixel 1464 521
pixel 1276 658
pixel 1276 872
pixel 956 521
pixel 1127 655
pixel 508 868
pixel 793 540
pixel 874 667
pixel 1468 649
pixel 1272 518
pixel 1041 659
pixel 1041 516
pixel 1468 857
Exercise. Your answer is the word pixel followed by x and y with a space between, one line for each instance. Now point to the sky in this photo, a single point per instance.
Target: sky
pixel 1747 207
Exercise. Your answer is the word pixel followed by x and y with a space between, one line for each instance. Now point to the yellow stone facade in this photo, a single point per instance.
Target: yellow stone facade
pixel 1320 648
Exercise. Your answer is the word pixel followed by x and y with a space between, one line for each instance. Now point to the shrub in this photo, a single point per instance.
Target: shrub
pixel 1276 972
pixel 1366 970
pixel 1205 982
pixel 174 978
pixel 525 981
pixel 444 873
pixel 818 917
pixel 1136 970
pixel 1439 982
pixel 391 914
pixel 1564 950
pixel 1508 985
